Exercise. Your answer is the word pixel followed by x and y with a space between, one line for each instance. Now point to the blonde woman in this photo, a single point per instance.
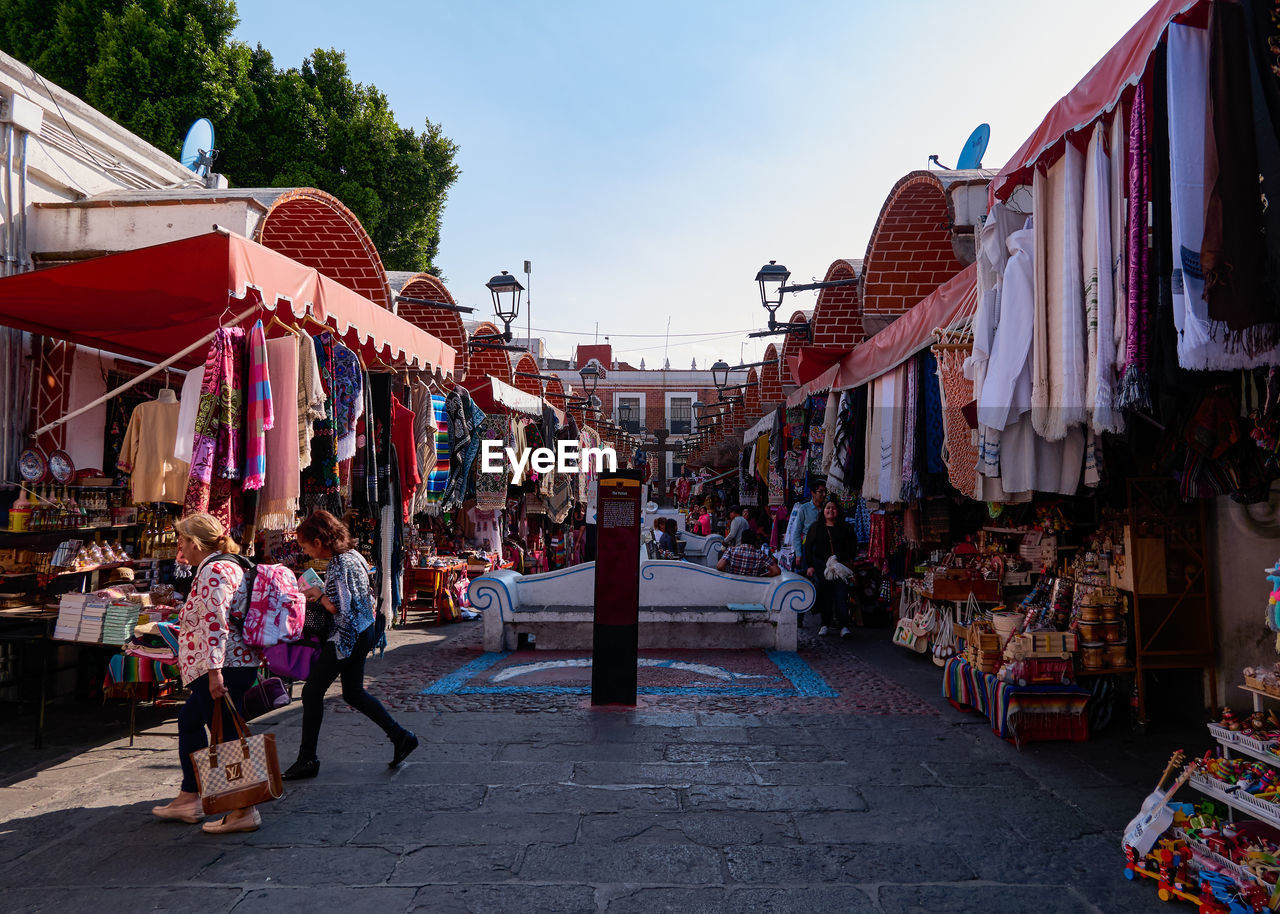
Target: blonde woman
pixel 213 662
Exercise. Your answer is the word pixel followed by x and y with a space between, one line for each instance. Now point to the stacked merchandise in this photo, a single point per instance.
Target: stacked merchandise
pixel 91 618
pixel 119 621
pixel 70 608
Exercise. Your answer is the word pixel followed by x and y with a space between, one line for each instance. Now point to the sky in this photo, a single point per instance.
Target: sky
pixel 648 158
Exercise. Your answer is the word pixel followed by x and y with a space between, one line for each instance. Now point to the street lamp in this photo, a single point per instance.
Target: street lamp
pixel 590 375
pixel 720 374
pixel 772 277
pixel 505 290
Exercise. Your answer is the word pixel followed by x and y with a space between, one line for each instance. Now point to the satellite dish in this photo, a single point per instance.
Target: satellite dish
pixel 974 147
pixel 197 148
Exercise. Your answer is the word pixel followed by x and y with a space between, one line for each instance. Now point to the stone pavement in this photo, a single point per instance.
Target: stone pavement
pixel 883 799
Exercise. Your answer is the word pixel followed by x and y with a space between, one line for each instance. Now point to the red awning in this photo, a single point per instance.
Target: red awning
pixel 813 361
pixel 493 395
pixel 153 302
pixel 1096 94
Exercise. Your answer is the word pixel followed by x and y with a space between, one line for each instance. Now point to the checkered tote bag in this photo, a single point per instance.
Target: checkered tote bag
pixel 239 773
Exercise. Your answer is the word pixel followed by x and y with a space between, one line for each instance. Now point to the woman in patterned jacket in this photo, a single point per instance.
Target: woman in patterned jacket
pixel 348 597
pixel 213 660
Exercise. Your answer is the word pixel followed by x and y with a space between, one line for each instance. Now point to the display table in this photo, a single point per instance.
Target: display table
pixel 1020 714
pixel 430 589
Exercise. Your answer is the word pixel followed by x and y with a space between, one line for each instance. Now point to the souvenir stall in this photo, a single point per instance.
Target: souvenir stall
pixel 278 414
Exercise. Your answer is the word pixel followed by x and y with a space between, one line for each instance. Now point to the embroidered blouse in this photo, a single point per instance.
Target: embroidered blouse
pixel 346 584
pixel 206 640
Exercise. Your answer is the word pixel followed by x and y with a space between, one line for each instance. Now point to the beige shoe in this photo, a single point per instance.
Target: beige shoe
pixel 191 813
pixel 223 827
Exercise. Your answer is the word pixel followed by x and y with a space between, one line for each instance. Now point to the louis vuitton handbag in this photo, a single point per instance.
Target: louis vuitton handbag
pixel 238 773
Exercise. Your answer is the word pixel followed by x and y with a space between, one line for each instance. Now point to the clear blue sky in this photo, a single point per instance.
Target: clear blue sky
pixel 649 157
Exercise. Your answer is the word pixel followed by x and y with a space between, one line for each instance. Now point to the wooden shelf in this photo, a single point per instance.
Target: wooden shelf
pixel 61 531
pixel 1107 671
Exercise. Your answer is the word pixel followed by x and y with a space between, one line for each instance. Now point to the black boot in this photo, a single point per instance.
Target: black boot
pixel 302 769
pixel 405 743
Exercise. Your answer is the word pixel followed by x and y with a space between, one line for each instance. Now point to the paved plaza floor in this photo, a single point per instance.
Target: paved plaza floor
pixel 835 779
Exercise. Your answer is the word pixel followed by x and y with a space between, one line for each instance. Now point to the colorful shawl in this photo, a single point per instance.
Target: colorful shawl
pixel 910 419
pixel 464 424
pixel 216 445
pixel 424 433
pixel 278 500
pixel 346 584
pixel 438 477
pixel 491 488
pixel 320 480
pixel 348 400
pixel 260 414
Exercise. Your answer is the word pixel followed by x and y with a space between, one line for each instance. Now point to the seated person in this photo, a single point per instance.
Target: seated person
pixel 747 559
pixel 667 548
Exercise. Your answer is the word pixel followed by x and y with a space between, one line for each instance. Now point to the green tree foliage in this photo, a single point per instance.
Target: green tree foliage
pixel 154 66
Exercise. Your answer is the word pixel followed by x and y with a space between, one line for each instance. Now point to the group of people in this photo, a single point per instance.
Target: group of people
pixel 816 533
pixel 215 662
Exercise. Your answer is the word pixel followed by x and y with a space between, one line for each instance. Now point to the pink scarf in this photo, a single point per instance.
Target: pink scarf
pixel 260 417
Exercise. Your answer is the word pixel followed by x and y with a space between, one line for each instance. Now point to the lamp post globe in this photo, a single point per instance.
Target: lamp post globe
pixel 772 277
pixel 505 290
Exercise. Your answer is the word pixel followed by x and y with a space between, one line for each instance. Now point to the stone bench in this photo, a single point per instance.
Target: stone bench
pixel 682 605
pixel 702 550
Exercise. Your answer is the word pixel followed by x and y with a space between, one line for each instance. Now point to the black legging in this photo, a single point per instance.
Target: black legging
pixel 324 671
pixel 833 600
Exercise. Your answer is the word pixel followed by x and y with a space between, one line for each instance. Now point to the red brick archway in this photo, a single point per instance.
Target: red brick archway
pixel 837 317
pixel 315 228
pixel 440 322
pixel 555 393
pixel 527 365
pixel 911 251
pixel 751 409
pixel 770 380
pixel 792 343
pixel 490 361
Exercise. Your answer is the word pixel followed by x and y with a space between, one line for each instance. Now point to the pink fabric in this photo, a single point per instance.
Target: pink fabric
pixel 259 418
pixel 276 607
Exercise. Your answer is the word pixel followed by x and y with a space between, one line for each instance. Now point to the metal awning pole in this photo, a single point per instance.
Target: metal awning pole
pixel 142 377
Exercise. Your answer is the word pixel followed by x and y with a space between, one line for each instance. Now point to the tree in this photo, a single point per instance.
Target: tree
pixel 154 66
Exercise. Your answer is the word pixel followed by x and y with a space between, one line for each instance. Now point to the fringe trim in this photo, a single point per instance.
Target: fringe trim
pixel 1135 389
pixel 278 515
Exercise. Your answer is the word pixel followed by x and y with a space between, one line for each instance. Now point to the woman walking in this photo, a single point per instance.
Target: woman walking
pixel 830 537
pixel 213 660
pixel 348 597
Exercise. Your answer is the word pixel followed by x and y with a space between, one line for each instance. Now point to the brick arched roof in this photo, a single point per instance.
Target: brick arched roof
pixel 440 322
pixel 489 361
pixel 315 228
pixel 752 396
pixel 555 393
pixel 527 365
pixel 792 343
pixel 770 380
pixel 911 252
pixel 837 317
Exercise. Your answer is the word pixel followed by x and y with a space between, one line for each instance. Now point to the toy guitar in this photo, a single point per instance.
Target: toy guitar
pixel 1146 828
pixel 1175 762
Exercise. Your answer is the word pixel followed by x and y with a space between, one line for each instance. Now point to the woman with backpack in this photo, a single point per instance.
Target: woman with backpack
pixel 213 660
pixel 349 599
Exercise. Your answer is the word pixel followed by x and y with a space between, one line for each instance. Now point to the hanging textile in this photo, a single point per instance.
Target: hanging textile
pixel 347 400
pixel 367 456
pixel 933 422
pixel 830 422
pixel 402 424
pixel 1242 156
pixel 909 482
pixel 1202 344
pixel 464 422
pixel 189 406
pixel 424 433
pixel 1135 379
pixel 215 451
pixel 959 453
pixel 311 399
pixel 840 438
pixel 320 479
pixel 1058 339
pixel 1099 290
pixel 278 500
pixel 146 454
pixel 762 452
pixel 815 433
pixel 889 403
pixel 870 486
pixel 259 411
pixel 491 488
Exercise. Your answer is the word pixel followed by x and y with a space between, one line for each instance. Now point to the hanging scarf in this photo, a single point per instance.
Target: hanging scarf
pixel 438 478
pixel 491 488
pixel 910 420
pixel 464 423
pixel 934 425
pixel 424 433
pixel 1058 377
pixel 260 414
pixel 219 419
pixel 320 479
pixel 278 500
pixel 311 401
pixel 830 423
pixel 1135 380
pixel 1099 289
pixel 955 391
pixel 348 400
pixel 1240 158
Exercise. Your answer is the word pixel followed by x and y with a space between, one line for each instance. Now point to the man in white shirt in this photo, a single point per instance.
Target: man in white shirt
pixel 803 517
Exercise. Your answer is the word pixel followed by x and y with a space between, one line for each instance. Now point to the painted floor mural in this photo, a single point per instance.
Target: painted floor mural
pixel 748 674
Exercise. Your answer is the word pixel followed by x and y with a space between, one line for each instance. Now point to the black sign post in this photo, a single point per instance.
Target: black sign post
pixel 616 634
